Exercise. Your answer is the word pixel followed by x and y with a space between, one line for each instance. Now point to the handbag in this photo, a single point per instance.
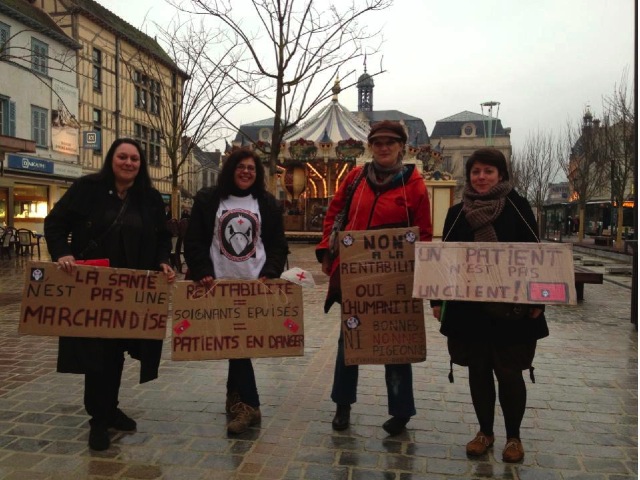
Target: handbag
pixel 505 311
pixel 341 218
pixel 93 244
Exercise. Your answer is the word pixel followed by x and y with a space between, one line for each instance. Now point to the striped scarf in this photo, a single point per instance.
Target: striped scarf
pixel 481 210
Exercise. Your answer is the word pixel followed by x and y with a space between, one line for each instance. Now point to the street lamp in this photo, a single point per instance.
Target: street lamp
pixel 490 126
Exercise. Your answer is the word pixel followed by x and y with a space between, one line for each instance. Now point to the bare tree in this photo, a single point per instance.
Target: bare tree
pixel 305 48
pixel 536 166
pixel 586 166
pixel 190 112
pixel 619 134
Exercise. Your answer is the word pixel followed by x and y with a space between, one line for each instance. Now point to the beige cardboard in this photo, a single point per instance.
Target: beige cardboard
pixel 495 272
pixel 381 322
pixel 94 302
pixel 237 319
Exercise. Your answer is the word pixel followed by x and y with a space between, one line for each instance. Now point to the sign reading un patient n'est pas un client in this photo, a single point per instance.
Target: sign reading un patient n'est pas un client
pixel 529 273
pixel 94 302
pixel 237 319
pixel 381 322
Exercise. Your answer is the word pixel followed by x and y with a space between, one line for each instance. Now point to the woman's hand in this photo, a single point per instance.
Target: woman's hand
pixel 437 309
pixel 206 282
pixel 535 312
pixel 168 271
pixel 66 263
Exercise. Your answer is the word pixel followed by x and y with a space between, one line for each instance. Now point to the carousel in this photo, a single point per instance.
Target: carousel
pixel 317 155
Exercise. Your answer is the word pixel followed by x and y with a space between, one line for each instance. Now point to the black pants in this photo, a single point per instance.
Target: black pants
pixel 101 387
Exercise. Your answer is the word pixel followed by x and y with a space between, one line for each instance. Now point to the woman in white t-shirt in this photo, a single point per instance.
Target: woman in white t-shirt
pixel 236 231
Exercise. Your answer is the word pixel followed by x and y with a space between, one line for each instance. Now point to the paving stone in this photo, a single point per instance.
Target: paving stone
pixel 581 421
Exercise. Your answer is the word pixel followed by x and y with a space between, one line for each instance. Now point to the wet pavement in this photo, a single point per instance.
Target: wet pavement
pixel 581 421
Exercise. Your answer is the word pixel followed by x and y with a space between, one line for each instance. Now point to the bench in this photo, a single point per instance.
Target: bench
pixel 619 269
pixel 603 241
pixel 584 275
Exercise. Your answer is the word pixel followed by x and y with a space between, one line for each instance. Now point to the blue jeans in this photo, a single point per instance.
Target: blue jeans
pixel 399 379
pixel 242 380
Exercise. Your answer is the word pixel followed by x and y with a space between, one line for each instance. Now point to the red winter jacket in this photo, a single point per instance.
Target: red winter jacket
pixel 375 207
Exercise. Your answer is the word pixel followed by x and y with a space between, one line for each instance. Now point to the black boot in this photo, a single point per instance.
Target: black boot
pixel 99 437
pixel 342 417
pixel 395 425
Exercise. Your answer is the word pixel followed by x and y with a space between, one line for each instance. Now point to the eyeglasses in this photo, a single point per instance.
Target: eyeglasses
pixel 388 143
pixel 249 168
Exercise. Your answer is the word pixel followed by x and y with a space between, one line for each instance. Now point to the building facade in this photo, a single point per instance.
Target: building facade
pixel 38 113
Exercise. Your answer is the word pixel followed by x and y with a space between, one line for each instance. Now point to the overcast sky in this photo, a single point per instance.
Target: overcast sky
pixel 544 61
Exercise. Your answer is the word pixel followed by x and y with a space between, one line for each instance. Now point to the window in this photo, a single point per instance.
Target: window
pixel 97 126
pixel 154 148
pixel 39 55
pixel 7 117
pixel 147 93
pixel 96 75
pixel 39 126
pixel 5 34
pixel 141 134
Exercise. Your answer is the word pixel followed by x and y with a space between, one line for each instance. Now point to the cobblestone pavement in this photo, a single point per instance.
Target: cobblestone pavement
pixel 581 421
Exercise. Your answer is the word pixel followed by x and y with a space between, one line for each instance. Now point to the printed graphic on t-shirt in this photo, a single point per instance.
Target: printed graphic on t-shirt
pixel 238 232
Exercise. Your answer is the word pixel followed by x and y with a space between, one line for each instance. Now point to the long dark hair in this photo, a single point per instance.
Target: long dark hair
pixel 226 182
pixel 142 180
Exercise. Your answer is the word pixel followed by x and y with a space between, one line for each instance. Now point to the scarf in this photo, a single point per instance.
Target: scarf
pixel 482 209
pixel 379 175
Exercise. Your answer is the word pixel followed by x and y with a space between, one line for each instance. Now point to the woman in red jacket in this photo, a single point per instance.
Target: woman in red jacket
pixel 384 193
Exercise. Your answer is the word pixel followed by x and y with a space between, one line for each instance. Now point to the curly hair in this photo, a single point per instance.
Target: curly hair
pixel 226 182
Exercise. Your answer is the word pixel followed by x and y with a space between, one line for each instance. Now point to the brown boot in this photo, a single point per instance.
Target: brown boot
pixel 243 417
pixel 513 451
pixel 479 445
pixel 232 399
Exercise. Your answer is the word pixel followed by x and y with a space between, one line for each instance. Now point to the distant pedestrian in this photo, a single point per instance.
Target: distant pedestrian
pixel 114 214
pixel 485 337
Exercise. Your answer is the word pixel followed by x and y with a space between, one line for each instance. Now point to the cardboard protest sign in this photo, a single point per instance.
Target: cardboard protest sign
pixel 495 272
pixel 237 319
pixel 94 302
pixel 381 322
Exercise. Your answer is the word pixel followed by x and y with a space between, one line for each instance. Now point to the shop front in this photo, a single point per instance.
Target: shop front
pixel 30 186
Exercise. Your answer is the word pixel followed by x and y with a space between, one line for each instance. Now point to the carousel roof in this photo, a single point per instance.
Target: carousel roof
pixel 333 121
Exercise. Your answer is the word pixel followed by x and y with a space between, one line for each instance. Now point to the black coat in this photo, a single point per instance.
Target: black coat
pixel 197 242
pixel 86 211
pixel 463 319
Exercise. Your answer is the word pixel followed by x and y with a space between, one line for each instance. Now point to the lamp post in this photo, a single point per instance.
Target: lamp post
pixel 490 125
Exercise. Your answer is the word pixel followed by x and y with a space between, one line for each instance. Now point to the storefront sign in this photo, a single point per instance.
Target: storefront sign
pixel 92 139
pixel 64 113
pixel 67 170
pixel 381 322
pixel 31 164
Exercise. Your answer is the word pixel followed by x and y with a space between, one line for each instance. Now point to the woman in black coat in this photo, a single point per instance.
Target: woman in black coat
pixel 114 214
pixel 478 337
pixel 236 230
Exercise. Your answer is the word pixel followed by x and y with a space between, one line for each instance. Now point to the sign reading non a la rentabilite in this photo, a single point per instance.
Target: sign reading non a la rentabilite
pixel 381 322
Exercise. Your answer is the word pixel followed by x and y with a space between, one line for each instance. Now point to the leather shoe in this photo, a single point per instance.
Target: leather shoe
pixel 480 444
pixel 120 421
pixel 395 425
pixel 342 417
pixel 513 451
pixel 99 438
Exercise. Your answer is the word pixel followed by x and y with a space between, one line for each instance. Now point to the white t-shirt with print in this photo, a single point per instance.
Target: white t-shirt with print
pixel 237 250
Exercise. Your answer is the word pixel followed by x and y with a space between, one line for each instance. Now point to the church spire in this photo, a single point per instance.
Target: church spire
pixel 365 90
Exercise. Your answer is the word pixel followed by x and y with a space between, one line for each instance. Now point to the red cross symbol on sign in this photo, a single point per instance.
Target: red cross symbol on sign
pixel 301 276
